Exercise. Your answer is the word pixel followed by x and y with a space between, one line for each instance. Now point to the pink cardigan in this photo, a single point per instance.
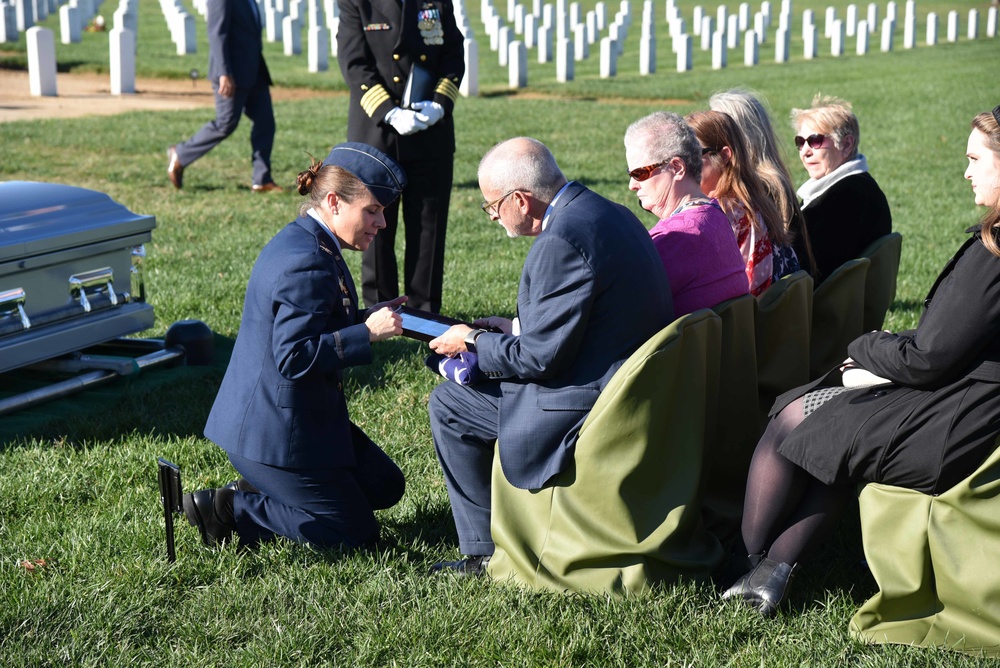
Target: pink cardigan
pixel 703 261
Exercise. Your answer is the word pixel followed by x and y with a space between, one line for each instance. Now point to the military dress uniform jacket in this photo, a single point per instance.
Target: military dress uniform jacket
pixel 281 402
pixel 377 43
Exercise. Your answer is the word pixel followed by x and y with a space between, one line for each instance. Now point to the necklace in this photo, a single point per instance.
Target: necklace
pixel 697 201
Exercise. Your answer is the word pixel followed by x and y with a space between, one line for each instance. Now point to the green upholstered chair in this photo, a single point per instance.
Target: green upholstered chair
pixel 935 561
pixel 627 513
pixel 783 326
pixel 728 453
pixel 880 284
pixel 838 315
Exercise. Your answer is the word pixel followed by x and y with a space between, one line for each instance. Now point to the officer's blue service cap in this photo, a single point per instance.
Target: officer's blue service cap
pixel 383 176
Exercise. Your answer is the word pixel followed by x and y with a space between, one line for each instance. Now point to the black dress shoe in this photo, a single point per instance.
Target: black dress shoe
pixel 175 170
pixel 241 485
pixel 764 587
pixel 211 510
pixel 468 567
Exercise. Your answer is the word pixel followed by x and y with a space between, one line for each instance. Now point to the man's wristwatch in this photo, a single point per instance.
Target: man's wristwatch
pixel 470 339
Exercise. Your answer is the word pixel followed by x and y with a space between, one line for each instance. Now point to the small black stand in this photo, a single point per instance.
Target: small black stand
pixel 170 495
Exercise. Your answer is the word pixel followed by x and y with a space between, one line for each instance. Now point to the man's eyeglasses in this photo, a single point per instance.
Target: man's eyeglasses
pixel 814 141
pixel 492 208
pixel 643 173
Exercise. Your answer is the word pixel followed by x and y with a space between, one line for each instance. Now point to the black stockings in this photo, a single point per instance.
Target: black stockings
pixel 787 512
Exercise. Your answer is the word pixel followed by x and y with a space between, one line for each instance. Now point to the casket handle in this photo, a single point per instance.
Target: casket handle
pixel 11 299
pixel 80 282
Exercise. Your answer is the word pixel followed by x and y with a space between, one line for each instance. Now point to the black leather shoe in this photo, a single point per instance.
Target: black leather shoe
pixel 468 567
pixel 764 587
pixel 241 485
pixel 211 510
pixel 175 170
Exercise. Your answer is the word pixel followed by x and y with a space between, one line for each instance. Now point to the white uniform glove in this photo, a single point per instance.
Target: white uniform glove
pixel 405 121
pixel 429 112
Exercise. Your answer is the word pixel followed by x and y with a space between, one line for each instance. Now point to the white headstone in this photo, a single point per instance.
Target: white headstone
pixel 760 27
pixel 8 24
pixel 888 28
pixel 699 13
pixel 973 29
pixel 781 46
pixel 40 9
pixel 591 27
pixel 890 10
pixel 810 42
pixel 187 41
pixel 872 17
pixel 548 16
pixel 41 61
pixel 707 28
pixel 719 51
pixel 470 82
pixel 991 22
pixel 122 61
pixel 333 37
pixel 273 25
pixel 733 31
pixel 319 59
pixel 837 38
pixel 829 18
pixel 69 24
pixel 24 13
pixel 511 4
pixel 574 15
pixel 684 48
pixel 952 26
pixel 863 36
pixel 851 24
pixel 519 14
pixel 932 29
pixel 744 17
pixel 562 25
pixel 581 49
pixel 601 10
pixel 292 36
pixel 530 30
pixel 545 44
pixel 721 14
pixel 909 31
pixel 503 45
pixel 564 60
pixel 647 54
pixel 750 49
pixel 808 22
pixel 609 58
pixel 517 67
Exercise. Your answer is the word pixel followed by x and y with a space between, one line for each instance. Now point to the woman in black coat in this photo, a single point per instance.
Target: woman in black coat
pixel 931 425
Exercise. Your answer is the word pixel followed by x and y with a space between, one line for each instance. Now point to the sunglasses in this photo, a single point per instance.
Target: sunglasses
pixel 491 208
pixel 710 149
pixel 643 173
pixel 814 141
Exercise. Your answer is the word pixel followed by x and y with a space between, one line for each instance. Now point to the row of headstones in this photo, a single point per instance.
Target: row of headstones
pixel 512 52
pixel 16 16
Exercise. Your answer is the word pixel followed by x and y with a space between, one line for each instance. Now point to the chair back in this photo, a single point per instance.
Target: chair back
pixel 783 328
pixel 934 559
pixel 880 284
pixel 627 513
pixel 838 315
pixel 737 429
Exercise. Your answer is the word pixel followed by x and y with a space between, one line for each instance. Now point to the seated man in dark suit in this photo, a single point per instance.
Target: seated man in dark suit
pixel 593 289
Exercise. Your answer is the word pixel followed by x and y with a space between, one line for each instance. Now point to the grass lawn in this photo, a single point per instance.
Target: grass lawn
pixel 77 477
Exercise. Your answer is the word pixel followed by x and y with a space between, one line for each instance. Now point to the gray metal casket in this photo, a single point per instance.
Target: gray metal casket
pixel 70 271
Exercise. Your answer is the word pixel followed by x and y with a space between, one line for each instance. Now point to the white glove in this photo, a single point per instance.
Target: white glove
pixel 429 112
pixel 405 121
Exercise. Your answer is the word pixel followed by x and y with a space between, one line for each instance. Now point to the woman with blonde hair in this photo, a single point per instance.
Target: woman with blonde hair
pixel 764 149
pixel 728 176
pixel 844 208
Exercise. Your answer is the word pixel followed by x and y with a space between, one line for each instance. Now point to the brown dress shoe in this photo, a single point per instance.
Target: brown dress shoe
pixel 175 170
pixel 269 187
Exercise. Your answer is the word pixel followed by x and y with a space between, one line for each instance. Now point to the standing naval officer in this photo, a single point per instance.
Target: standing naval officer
pixel 379 44
pixel 241 82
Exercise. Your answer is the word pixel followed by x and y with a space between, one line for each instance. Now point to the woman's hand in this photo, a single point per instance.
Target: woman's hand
pixel 383 324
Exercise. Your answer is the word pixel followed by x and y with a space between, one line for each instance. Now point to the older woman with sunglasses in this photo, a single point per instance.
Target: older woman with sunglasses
pixel 693 236
pixel 844 208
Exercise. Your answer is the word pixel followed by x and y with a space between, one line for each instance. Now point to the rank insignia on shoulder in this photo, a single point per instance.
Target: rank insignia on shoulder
pixel 374 27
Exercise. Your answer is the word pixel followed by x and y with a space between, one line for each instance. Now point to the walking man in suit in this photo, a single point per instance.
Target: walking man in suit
pixel 380 44
pixel 241 81
pixel 593 289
